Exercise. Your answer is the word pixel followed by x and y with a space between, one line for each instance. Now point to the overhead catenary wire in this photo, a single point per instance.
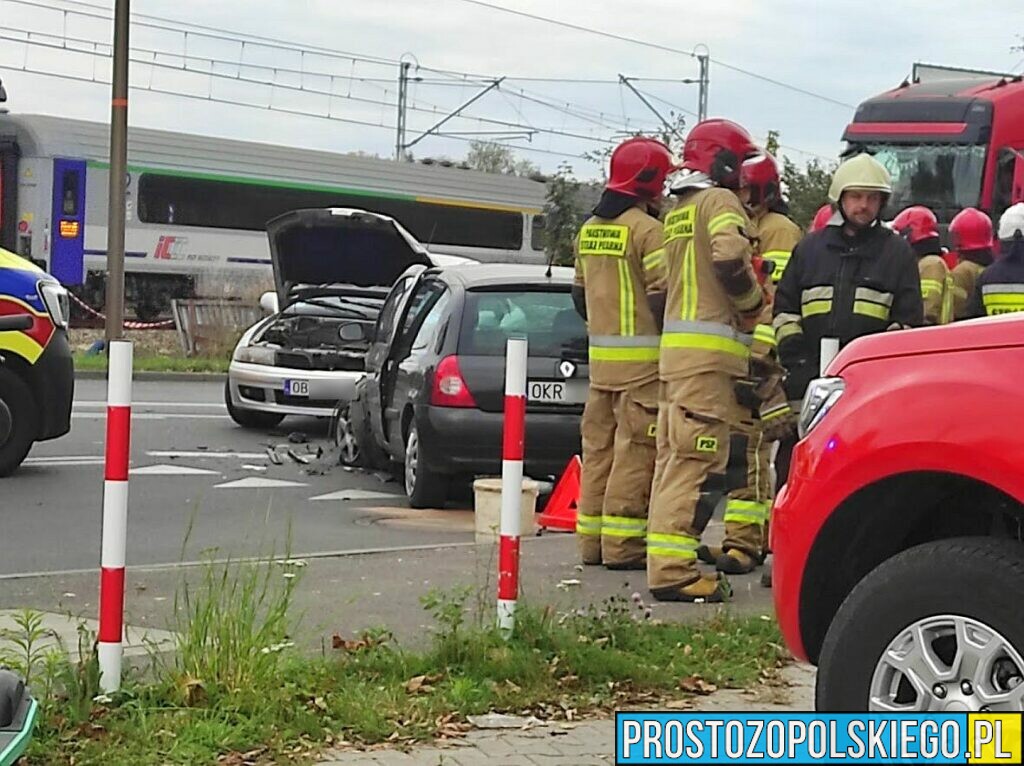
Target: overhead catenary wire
pixel 657 46
pixel 292 88
pixel 296 112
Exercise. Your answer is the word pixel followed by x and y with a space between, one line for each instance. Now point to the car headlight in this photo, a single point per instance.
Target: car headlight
pixel 55 298
pixel 254 354
pixel 822 394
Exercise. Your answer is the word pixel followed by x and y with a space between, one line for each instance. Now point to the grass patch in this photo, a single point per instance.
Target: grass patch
pixel 157 363
pixel 236 690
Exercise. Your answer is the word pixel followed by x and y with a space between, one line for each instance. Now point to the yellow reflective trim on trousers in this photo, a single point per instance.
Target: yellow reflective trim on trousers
pixel 751 506
pixel 929 286
pixel 743 518
pixel 866 308
pixel 623 526
pixel 689 296
pixel 627 307
pixel 604 354
pixel 672 546
pixel 813 308
pixel 764 334
pixel 703 342
pixel 723 221
pixel 588 525
pixel 655 259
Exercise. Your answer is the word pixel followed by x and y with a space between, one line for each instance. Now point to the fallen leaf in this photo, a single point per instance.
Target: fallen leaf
pixel 502 721
pixel 678 705
pixel 687 650
pixel 696 685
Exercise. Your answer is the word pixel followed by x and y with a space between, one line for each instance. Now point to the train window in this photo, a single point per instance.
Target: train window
pixel 248 206
pixel 537 238
pixel 69 193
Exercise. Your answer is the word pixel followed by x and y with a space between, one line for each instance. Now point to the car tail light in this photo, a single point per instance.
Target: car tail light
pixel 450 389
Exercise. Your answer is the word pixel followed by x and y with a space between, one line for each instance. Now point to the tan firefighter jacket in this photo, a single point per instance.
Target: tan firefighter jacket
pixel 618 262
pixel 713 298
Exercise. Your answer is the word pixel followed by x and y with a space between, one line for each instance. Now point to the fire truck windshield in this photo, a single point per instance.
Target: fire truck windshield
pixel 943 177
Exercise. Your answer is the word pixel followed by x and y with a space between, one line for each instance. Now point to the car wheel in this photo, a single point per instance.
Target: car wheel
pixel 353 437
pixel 249 418
pixel 19 421
pixel 423 488
pixel 931 629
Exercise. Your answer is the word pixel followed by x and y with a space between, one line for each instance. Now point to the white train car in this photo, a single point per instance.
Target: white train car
pixel 197 207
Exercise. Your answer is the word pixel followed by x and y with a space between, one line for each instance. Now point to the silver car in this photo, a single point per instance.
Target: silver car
pixel 333 268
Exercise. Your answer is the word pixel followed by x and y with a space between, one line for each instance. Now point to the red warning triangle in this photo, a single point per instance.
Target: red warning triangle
pixel 560 511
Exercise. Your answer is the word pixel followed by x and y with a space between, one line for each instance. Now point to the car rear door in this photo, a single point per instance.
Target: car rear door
pixel 557 370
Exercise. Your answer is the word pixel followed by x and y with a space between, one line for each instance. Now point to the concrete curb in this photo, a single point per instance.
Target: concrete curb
pixel 191 377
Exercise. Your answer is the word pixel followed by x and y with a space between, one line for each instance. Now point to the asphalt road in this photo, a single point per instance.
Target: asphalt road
pixel 199 484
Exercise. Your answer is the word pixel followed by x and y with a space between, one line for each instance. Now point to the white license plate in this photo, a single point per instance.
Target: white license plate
pixel 556 391
pixel 296 388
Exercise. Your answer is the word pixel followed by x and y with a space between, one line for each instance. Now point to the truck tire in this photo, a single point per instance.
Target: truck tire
pixel 21 416
pixel 249 418
pixel 918 604
pixel 423 488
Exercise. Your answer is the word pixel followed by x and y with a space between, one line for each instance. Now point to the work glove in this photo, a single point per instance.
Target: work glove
pixel 778 421
pixel 798 377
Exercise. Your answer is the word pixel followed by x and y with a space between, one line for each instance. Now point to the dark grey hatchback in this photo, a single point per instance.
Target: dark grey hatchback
pixel 432 397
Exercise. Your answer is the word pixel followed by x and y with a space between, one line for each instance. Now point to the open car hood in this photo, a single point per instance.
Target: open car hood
pixel 339 246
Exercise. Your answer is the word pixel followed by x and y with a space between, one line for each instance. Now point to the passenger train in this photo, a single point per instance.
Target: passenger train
pixel 196 207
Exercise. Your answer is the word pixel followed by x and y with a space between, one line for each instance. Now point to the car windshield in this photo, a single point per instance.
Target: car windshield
pixel 547 318
pixel 943 177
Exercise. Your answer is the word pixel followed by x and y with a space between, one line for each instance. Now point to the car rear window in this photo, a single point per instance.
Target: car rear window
pixel 547 318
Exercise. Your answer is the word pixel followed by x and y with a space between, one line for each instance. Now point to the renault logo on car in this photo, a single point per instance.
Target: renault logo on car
pixel 567 368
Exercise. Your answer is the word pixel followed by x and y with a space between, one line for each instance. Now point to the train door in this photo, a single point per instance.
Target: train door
pixel 8 193
pixel 67 257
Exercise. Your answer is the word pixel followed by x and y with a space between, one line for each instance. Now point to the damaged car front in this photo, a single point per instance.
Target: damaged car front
pixel 333 269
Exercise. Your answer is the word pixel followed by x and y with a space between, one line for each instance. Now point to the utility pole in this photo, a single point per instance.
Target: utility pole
pixel 403 90
pixel 118 172
pixel 705 82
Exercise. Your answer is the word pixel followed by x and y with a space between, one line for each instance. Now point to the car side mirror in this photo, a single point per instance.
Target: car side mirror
pixel 353 332
pixel 269 302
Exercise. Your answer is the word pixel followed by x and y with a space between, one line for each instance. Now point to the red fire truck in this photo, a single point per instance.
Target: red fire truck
pixel 951 138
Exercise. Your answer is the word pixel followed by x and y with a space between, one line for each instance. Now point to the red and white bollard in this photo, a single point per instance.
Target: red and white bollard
pixel 115 513
pixel 514 441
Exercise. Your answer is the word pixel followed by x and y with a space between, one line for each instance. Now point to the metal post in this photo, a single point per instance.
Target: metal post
pixel 403 86
pixel 705 82
pixel 115 513
pixel 513 449
pixel 118 171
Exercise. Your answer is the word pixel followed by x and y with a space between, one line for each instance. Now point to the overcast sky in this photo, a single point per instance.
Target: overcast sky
pixel 840 49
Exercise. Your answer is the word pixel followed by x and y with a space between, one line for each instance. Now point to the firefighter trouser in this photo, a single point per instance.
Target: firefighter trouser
pixel 618 463
pixel 689 477
pixel 747 507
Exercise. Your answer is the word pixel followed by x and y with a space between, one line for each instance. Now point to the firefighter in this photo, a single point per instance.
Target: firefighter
pixel 971 235
pixel 761 193
pixel 769 416
pixel 620 262
pixel 713 302
pixel 1000 290
pixel 919 226
pixel 855 277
